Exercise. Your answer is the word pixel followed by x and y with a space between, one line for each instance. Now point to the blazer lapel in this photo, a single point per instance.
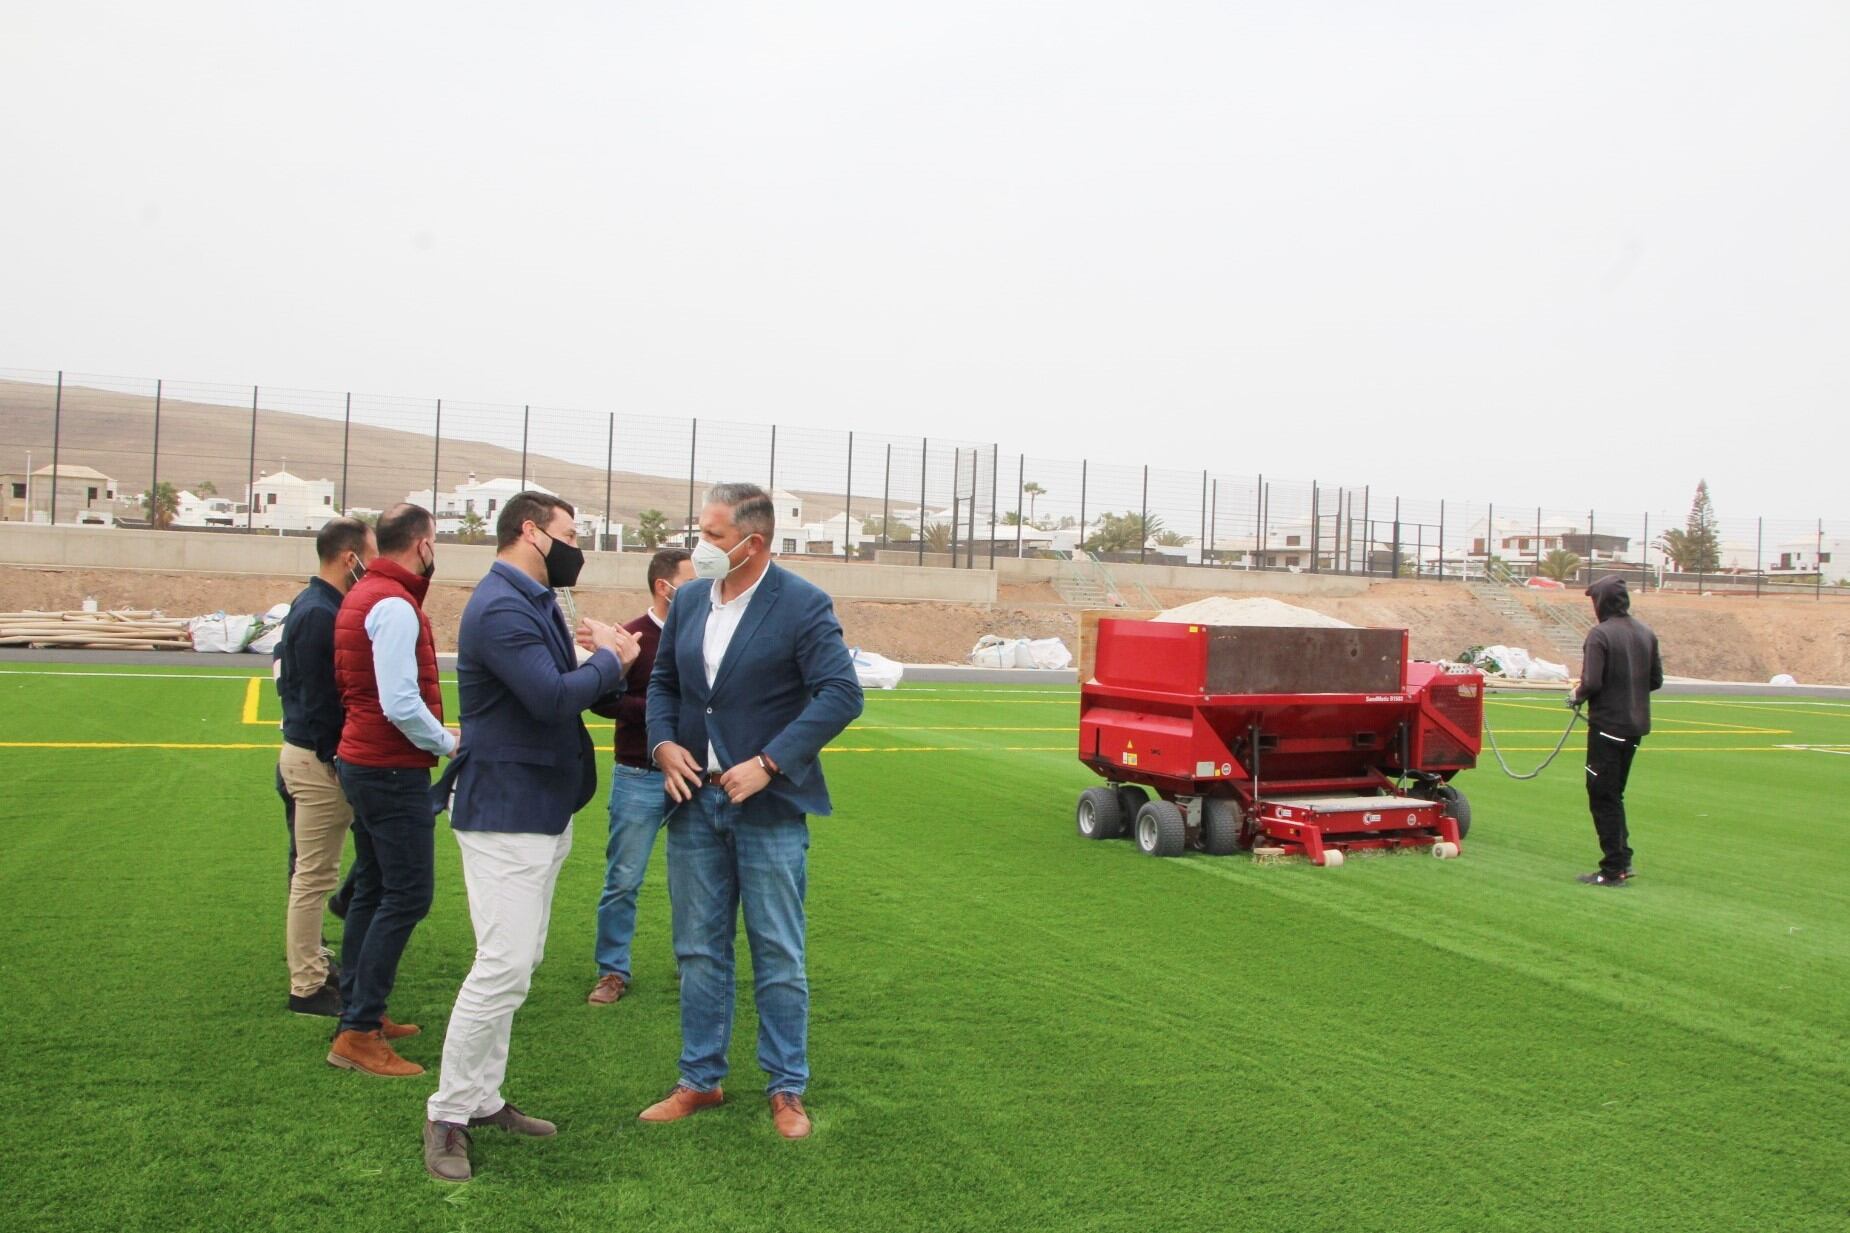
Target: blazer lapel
pixel 755 612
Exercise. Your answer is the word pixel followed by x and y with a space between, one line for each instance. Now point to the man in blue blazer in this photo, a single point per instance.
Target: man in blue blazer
pixel 524 767
pixel 751 680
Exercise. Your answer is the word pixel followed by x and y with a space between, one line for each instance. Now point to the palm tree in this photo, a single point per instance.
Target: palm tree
pixel 1031 490
pixel 1560 564
pixel 938 537
pixel 1171 539
pixel 163 506
pixel 472 526
pixel 651 528
pixel 205 488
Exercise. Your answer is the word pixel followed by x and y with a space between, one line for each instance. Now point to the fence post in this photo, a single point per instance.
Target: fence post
pixel 346 435
pixel 1202 543
pixel 1021 488
pixel 1316 527
pixel 1265 516
pixel 1538 540
pixel 847 521
pixel 1368 537
pixel 1817 559
pixel 1083 464
pixel 976 460
pixel 154 466
pixel 57 424
pixel 1258 518
pixel 1759 553
pixel 1143 529
pixel 1213 517
pixel 693 453
pixel 924 462
pixel 436 458
pixel 250 483
pixel 886 499
pixel 957 509
pixel 610 460
pixel 995 461
pixel 526 416
pixel 1590 560
pixel 772 486
pixel 1441 539
pixel 1644 557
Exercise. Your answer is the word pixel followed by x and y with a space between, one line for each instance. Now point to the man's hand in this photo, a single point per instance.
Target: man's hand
pixel 744 781
pixel 681 775
pixel 597 636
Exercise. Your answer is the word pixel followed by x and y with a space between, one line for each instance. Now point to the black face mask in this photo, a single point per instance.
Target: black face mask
pixel 430 566
pixel 564 562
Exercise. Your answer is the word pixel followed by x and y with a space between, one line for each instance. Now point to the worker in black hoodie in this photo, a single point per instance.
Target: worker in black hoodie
pixel 1620 666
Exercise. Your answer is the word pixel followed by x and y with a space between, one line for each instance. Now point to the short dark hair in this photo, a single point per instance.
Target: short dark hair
pixel 402 526
pixel 666 564
pixel 339 535
pixel 529 506
pixel 752 510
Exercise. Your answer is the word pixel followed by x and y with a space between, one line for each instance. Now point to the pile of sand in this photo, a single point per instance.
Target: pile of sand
pixel 1258 610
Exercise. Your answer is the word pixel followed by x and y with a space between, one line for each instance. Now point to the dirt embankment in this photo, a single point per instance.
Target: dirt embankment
pixel 1715 637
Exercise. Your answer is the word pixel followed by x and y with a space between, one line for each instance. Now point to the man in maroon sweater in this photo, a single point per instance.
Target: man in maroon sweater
pixel 638 802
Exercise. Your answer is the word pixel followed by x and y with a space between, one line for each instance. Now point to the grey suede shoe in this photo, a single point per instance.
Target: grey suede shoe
pixel 510 1119
pixel 446 1151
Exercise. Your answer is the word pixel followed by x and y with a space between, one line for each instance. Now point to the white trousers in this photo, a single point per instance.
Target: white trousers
pixel 510 878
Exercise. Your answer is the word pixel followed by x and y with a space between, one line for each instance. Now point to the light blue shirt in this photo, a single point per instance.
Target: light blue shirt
pixel 393 627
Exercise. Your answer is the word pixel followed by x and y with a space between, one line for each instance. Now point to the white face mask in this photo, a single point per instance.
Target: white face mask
pixel 714 562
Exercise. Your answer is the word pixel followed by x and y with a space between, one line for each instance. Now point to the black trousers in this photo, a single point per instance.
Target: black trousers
pixel 1609 765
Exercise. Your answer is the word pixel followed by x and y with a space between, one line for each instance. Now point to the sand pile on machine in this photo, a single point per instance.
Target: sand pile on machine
pixel 1224 610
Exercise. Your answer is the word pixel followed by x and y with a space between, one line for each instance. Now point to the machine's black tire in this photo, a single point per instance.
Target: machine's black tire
pixel 1220 826
pixel 1457 804
pixel 1162 829
pixel 1130 799
pixel 1099 815
pixel 1451 801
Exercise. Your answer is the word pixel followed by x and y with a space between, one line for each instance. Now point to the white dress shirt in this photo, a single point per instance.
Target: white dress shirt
pixel 393 628
pixel 722 623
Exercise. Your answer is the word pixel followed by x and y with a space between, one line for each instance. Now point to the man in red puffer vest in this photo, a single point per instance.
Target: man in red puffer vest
pixel 385 663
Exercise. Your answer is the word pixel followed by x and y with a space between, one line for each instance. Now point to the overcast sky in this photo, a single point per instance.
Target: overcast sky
pixel 1565 253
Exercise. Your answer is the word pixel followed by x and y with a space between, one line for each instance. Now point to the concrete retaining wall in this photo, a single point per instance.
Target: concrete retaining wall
pixel 294 557
pixel 1195 578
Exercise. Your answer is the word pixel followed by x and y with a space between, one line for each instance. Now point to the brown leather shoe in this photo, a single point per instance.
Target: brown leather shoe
pixel 446 1152
pixel 610 986
pixel 510 1119
pixel 679 1103
pixel 788 1116
pixel 397 1031
pixel 367 1052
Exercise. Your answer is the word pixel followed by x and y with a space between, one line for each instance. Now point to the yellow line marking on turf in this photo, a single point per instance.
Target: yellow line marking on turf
pixel 1781 708
pixel 253 694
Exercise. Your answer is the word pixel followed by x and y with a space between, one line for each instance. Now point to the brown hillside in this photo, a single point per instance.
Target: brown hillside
pixel 114 433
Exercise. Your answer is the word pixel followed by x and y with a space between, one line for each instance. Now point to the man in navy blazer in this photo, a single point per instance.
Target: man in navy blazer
pixel 524 767
pixel 751 680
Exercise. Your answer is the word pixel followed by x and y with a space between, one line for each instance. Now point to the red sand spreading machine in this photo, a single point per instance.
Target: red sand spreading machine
pixel 1304 741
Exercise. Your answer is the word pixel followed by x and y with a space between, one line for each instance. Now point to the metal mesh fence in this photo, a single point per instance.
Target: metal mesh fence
pixel 90 448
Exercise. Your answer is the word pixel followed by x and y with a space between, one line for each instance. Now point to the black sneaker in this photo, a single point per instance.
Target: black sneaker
pixel 1602 878
pixel 323 1001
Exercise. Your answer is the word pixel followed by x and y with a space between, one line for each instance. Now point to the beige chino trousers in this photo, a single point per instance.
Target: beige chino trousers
pixel 322 819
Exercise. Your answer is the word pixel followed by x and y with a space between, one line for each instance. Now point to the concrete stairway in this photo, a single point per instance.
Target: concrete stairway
pixel 1553 636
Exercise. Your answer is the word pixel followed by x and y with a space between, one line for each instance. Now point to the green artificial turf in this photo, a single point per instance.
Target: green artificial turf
pixel 1012 1028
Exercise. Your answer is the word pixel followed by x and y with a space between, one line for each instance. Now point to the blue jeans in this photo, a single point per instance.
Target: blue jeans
pixel 394 832
pixel 716 865
pixel 637 809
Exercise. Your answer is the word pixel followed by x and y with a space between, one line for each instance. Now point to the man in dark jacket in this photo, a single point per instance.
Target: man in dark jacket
pixel 526 765
pixel 319 815
pixel 1620 667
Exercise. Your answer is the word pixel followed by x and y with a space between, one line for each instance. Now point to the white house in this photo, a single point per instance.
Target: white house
pixel 1829 557
pixel 285 502
pixel 197 511
pixel 485 498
